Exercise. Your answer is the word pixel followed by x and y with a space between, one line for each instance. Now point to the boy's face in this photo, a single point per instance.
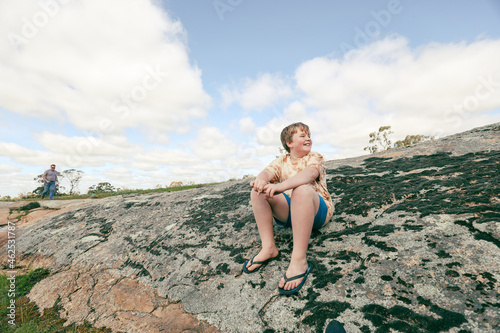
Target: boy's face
pixel 301 143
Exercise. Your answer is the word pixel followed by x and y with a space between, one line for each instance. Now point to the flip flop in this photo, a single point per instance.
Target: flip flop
pixel 335 327
pixel 261 263
pixel 296 289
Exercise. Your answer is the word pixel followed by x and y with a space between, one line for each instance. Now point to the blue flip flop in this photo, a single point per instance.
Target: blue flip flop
pixel 335 327
pixel 261 263
pixel 296 289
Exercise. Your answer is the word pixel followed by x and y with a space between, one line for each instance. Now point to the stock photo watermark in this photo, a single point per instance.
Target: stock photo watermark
pixel 223 6
pixel 120 108
pixel 32 25
pixel 485 89
pixel 373 28
pixel 11 273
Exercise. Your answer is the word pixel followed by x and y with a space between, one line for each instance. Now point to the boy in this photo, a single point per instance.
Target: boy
pixel 292 192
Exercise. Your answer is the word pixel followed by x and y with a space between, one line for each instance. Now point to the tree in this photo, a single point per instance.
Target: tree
pixel 104 187
pixel 381 139
pixel 412 139
pixel 41 183
pixel 382 142
pixel 73 176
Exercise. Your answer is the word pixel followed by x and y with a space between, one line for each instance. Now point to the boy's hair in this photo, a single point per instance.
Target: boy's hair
pixel 288 132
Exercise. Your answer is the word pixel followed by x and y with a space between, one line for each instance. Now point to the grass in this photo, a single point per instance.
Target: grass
pixel 115 193
pixel 27 317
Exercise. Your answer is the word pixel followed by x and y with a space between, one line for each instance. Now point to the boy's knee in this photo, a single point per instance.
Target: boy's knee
pixel 254 195
pixel 303 191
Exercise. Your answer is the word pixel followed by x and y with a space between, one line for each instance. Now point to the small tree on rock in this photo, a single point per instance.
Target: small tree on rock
pixel 73 176
pixel 380 140
pixel 411 140
pixel 104 187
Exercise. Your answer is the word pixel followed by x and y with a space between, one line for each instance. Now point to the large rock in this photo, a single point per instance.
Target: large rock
pixel 414 246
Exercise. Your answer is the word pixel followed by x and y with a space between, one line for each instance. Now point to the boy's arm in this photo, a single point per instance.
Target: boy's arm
pixel 262 180
pixel 306 176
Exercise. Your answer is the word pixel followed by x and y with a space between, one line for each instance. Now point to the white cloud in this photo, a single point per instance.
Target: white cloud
pixel 109 145
pixel 216 171
pixel 266 91
pixel 7 169
pixel 121 63
pixel 23 155
pixel 296 111
pixel 270 133
pixel 158 158
pixel 158 138
pixel 90 68
pixel 73 152
pixel 212 144
pixel 436 89
pixel 16 180
pixel 247 125
pixel 394 76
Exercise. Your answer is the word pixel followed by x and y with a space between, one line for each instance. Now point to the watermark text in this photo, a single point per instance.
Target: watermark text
pixel 11 273
pixel 31 26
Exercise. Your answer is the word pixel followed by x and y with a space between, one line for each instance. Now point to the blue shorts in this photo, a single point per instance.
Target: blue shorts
pixel 319 219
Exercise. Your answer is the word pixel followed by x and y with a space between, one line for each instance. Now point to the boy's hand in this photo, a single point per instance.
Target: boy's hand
pixel 272 189
pixel 258 185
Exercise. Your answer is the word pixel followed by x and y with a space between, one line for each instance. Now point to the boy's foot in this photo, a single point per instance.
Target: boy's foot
pixel 293 271
pixel 261 259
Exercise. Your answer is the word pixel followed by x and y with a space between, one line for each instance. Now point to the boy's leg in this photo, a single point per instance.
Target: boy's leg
pixel 264 209
pixel 303 206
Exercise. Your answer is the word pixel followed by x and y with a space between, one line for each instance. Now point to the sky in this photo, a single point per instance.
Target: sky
pixel 142 93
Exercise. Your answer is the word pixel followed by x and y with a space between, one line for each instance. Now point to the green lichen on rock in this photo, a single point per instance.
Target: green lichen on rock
pixel 434 184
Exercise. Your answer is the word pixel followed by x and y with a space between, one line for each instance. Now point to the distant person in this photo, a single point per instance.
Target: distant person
pixel 49 181
pixel 292 192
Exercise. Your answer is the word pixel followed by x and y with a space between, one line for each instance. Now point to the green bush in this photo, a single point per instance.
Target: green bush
pixel 30 206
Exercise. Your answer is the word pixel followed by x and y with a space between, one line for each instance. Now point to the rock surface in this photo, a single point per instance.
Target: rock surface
pixel 414 246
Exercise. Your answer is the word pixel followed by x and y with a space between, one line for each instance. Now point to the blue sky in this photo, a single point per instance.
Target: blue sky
pixel 140 93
